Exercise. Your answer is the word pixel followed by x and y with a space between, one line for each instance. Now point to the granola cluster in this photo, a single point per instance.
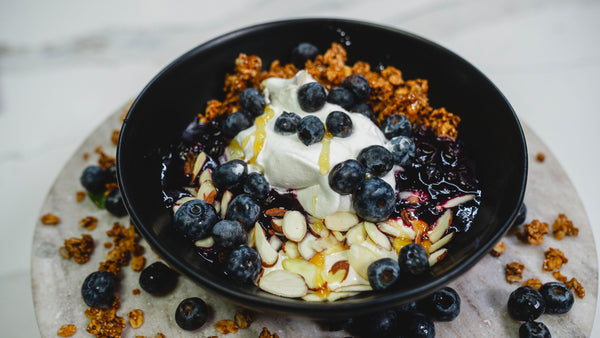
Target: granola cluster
pixel 390 93
pixel 79 249
pixel 241 320
pixel 562 227
pixel 50 219
pixel 514 272
pixel 555 258
pixel 534 232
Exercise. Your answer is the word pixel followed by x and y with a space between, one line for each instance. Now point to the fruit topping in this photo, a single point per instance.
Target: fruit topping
pixel 521 216
pixel 442 305
pixel 253 101
pixel 558 297
pixel 339 124
pixel 230 174
pixel 243 264
pixel 191 313
pixel 98 289
pixel 413 259
pixel 158 279
pixel 311 130
pixel 244 209
pixel 228 234
pixel 235 123
pixel 303 52
pixel 311 97
pixel 418 325
pixel 287 123
pixel 114 203
pixel 345 177
pixel 403 150
pixel 93 179
pixel 377 160
pixel 379 324
pixel 374 200
pixel 526 303
pixel 363 109
pixel 534 330
pixel 341 96
pixel 396 125
pixel 195 219
pixel 358 85
pixel 383 273
pixel 256 185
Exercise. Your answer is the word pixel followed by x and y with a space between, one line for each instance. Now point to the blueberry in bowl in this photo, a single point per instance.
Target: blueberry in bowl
pixel 429 175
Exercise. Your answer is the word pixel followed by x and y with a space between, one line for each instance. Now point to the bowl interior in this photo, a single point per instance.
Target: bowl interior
pixel 489 129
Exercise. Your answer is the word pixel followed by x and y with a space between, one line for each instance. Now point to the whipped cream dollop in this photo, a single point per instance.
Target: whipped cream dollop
pixel 288 164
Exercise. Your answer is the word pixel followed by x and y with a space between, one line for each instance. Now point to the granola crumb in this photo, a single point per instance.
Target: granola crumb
pixel 125 245
pixel 226 326
pixel 105 160
pixel 108 245
pixel 266 334
pixel 498 249
pixel 66 330
pixel 86 156
pixel 533 232
pixel 562 227
pixel 534 283
pixel 78 248
pixel 136 318
pixel 135 292
pixel 138 263
pixel 555 258
pixel 114 137
pixel 50 219
pixel 540 157
pixel 576 287
pixel 514 272
pixel 89 222
pixel 559 276
pixel 243 319
pixel 80 196
pixel 105 323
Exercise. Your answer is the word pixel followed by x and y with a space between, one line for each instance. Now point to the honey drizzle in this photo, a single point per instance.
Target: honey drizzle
pixel 324 156
pixel 259 134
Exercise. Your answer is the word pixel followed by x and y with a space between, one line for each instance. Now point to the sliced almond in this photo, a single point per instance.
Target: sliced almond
pixel 206 176
pixel 205 242
pixel 339 236
pixel 396 228
pixel 310 272
pixel 207 192
pixel 276 224
pixel 294 225
pixel 318 229
pixel 360 258
pixel 306 246
pixel 377 236
pixel 356 235
pixel 439 244
pixel 333 296
pixel 455 201
pixel 268 255
pixel 313 297
pixel 283 283
pixel 275 242
pixel 291 249
pixel 437 256
pixel 200 159
pixel 181 202
pixel 227 197
pixel 275 212
pixel 341 221
pixel 439 227
pixel 338 272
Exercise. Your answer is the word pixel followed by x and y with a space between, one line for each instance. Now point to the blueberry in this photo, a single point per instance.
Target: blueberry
pixel 521 216
pixel 93 179
pixel 195 219
pixel 339 124
pixel 374 200
pixel 235 123
pixel 526 303
pixel 364 109
pixel 287 123
pixel 377 160
pixel 256 185
pixel 253 101
pixel 358 85
pixel 379 324
pixel 558 298
pixel 302 52
pixel 191 313
pixel 193 132
pixel 417 325
pixel 407 307
pixel 396 125
pixel 114 203
pixel 244 209
pixel 158 279
pixel 534 330
pixel 413 259
pixel 383 273
pixel 98 289
pixel 311 97
pixel 345 177
pixel 442 305
pixel 230 174
pixel 403 150
pixel 110 174
pixel 228 234
pixel 341 96
pixel 311 130
pixel 243 264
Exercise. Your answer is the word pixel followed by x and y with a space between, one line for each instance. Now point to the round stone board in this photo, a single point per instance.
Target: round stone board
pixel 56 282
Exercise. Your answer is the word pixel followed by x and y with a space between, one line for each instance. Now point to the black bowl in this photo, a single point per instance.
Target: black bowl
pixel 489 128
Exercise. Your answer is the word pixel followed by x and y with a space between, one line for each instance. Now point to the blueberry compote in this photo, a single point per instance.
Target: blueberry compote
pixel 439 172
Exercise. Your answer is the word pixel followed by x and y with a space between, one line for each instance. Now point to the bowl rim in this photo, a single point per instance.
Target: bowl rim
pixel 316 309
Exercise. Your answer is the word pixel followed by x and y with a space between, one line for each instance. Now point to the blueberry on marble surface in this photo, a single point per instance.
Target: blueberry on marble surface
pixel 287 123
pixel 379 324
pixel 228 234
pixel 311 97
pixel 339 124
pixel 383 273
pixel 98 289
pixel 256 185
pixel 358 85
pixel 341 96
pixel 303 52
pixel 417 325
pixel 235 123
pixel 558 297
pixel 374 200
pixel 396 125
pixel 191 313
pixel 243 264
pixel 93 179
pixel 195 219
pixel 403 150
pixel 158 279
pixel 345 177
pixel 230 174
pixel 311 130
pixel 534 330
pixel 364 109
pixel 442 305
pixel 526 304
pixel 413 259
pixel 244 209
pixel 114 203
pixel 253 101
pixel 110 174
pixel 521 216
pixel 376 159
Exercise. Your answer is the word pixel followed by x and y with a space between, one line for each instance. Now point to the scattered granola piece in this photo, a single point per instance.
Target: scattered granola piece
pixel 577 287
pixel 498 249
pixel 125 243
pixel 80 196
pixel 105 160
pixel 108 245
pixel 514 272
pixel 226 326
pixel 86 156
pixel 266 334
pixel 243 319
pixel 114 137
pixel 554 259
pixel 138 263
pixel 534 232
pixel 136 292
pixel 563 226
pixel 89 222
pixel 534 283
pixel 136 318
pixel 540 157
pixel 105 323
pixel 50 219
pixel 78 248
pixel 559 276
pixel 66 330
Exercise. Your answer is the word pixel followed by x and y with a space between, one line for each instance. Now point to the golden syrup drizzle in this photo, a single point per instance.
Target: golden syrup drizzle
pixel 319 260
pixel 259 134
pixel 324 156
pixel 235 151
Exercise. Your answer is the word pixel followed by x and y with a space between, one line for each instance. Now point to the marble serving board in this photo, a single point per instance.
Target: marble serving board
pixel 56 282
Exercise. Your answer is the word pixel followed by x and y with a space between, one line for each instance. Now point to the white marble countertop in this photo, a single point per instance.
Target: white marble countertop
pixel 65 66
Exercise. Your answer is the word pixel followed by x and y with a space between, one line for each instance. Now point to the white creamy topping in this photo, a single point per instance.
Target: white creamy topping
pixel 287 163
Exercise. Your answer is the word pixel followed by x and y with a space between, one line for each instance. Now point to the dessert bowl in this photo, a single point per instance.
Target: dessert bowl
pixel 489 129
